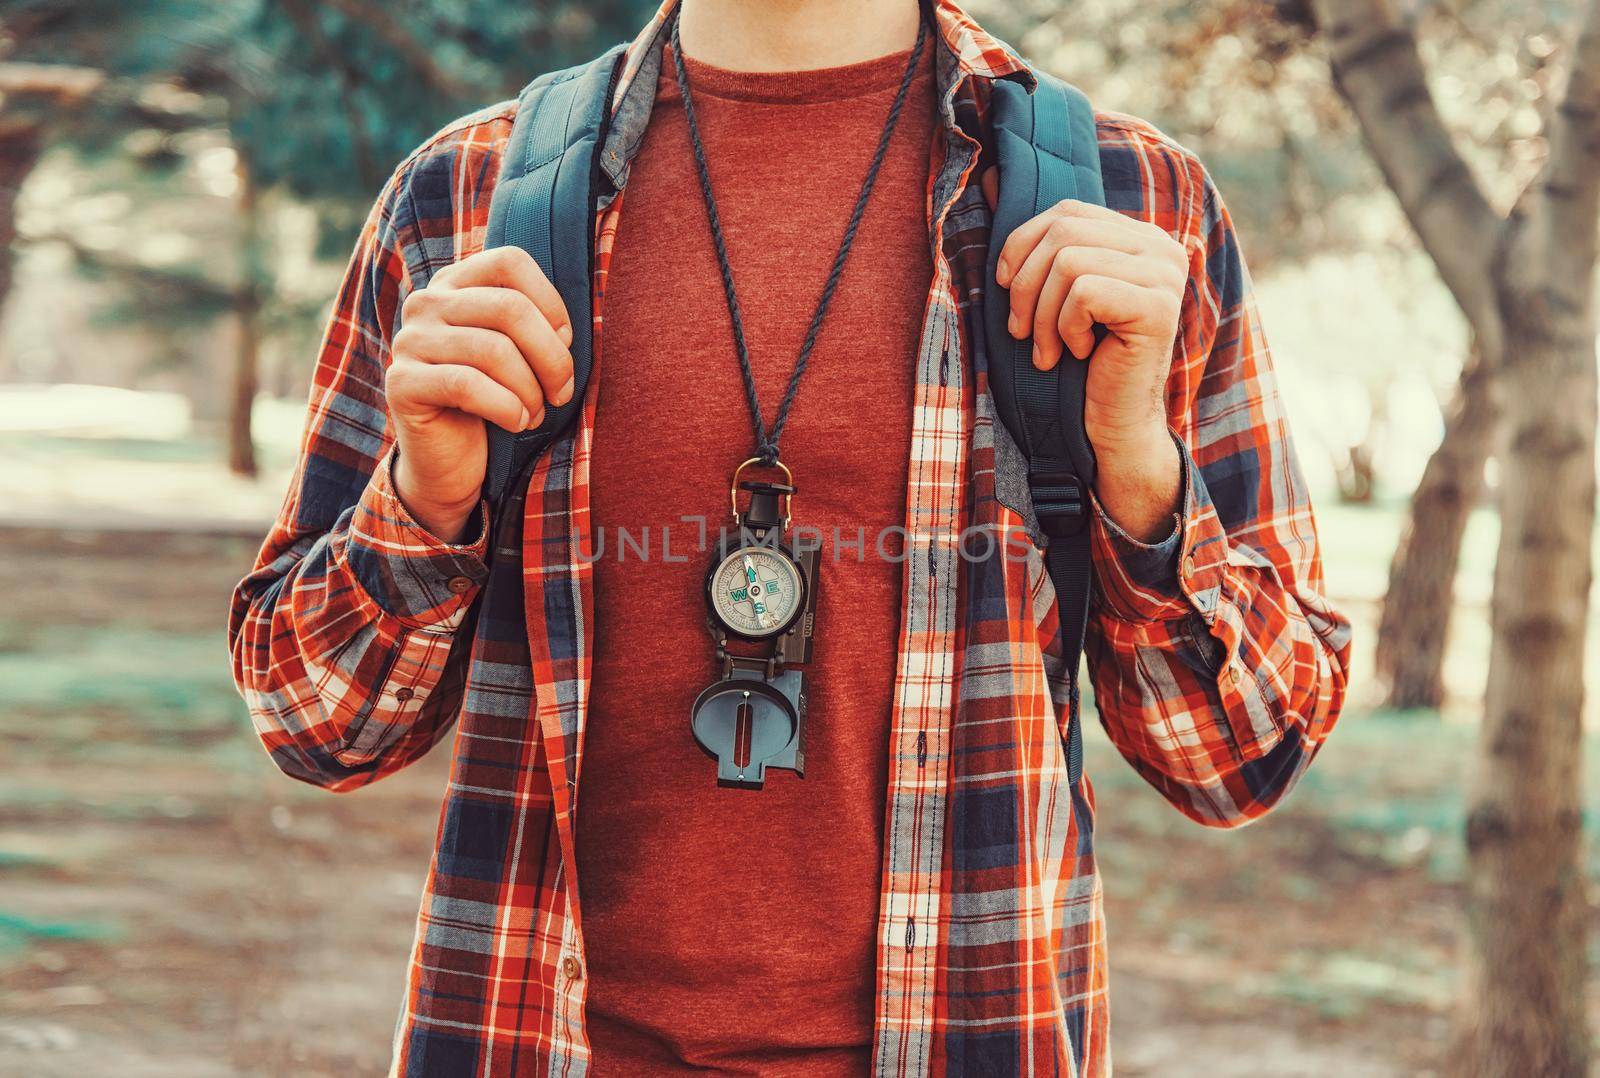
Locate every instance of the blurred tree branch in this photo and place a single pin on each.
(1558, 241)
(172, 289)
(1379, 72)
(64, 83)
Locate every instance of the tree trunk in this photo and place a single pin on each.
(247, 317)
(1526, 906)
(29, 96)
(241, 441)
(1525, 282)
(1421, 594)
(21, 144)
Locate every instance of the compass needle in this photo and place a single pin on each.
(755, 591)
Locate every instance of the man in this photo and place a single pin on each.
(925, 899)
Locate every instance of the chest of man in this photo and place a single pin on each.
(674, 869)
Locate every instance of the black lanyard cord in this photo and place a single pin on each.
(767, 444)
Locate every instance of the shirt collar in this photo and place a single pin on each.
(978, 53)
(970, 52)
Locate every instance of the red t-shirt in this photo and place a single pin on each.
(727, 928)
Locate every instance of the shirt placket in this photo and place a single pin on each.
(569, 1039)
(925, 684)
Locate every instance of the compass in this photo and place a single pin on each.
(756, 590)
(761, 597)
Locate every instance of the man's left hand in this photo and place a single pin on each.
(1076, 265)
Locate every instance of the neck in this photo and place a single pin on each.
(795, 35)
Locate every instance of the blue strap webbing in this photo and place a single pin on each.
(1047, 151)
(544, 202)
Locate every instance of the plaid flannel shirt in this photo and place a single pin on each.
(1218, 665)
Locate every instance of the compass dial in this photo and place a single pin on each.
(756, 591)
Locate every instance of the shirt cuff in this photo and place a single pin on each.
(1173, 577)
(406, 569)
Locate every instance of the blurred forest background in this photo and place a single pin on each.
(180, 183)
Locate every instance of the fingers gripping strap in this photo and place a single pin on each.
(544, 202)
(1047, 151)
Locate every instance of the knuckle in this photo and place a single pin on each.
(504, 351)
(512, 257)
(419, 304)
(511, 307)
(490, 261)
(1060, 228)
(407, 342)
(456, 383)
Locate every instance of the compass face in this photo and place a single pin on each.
(756, 591)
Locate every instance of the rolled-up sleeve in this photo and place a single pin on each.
(347, 637)
(1219, 665)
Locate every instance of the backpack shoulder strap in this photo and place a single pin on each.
(1047, 151)
(544, 202)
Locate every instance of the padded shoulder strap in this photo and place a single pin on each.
(544, 202)
(1047, 151)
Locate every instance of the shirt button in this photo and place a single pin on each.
(571, 967)
(1188, 564)
(403, 695)
(1233, 675)
(459, 584)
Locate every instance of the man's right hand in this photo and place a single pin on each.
(487, 339)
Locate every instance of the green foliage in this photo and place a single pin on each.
(346, 90)
(317, 100)
(128, 39)
(138, 45)
(320, 99)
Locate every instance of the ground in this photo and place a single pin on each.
(169, 902)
